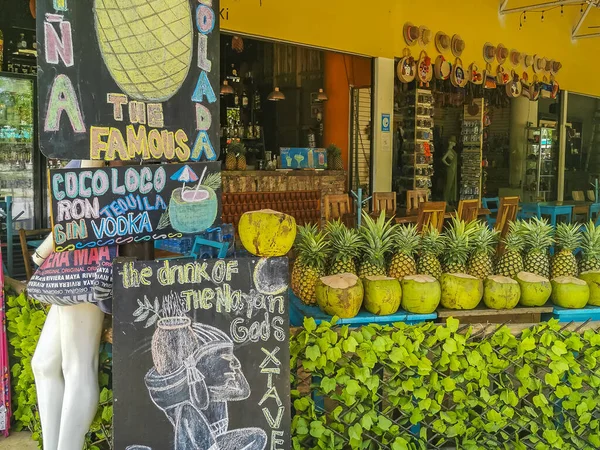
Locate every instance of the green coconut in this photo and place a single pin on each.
(535, 289)
(501, 292)
(382, 295)
(592, 278)
(420, 294)
(340, 295)
(193, 216)
(460, 291)
(267, 232)
(570, 292)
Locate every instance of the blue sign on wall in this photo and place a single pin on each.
(385, 123)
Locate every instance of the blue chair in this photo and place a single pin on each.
(529, 210)
(491, 203)
(595, 212)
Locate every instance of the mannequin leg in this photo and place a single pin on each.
(80, 330)
(47, 369)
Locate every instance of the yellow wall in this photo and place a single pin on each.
(374, 28)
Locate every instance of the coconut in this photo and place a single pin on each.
(193, 214)
(420, 294)
(535, 289)
(461, 291)
(570, 292)
(501, 292)
(382, 295)
(340, 295)
(267, 233)
(592, 278)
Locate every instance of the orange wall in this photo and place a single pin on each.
(341, 72)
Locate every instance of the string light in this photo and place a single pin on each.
(581, 9)
(542, 16)
(561, 10)
(525, 16)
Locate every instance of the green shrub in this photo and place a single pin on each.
(25, 320)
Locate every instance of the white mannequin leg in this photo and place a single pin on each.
(47, 369)
(80, 331)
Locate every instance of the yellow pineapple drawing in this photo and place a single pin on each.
(146, 44)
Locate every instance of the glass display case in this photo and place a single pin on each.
(540, 170)
(18, 160)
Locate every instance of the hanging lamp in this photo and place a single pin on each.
(226, 89)
(276, 95)
(322, 96)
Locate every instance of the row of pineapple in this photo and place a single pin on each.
(380, 248)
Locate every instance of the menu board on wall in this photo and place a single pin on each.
(201, 354)
(128, 80)
(93, 207)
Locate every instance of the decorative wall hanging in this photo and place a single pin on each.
(490, 79)
(411, 33)
(535, 89)
(474, 74)
(489, 52)
(406, 70)
(515, 57)
(527, 61)
(458, 45)
(556, 66)
(442, 42)
(501, 54)
(458, 77)
(514, 88)
(442, 68)
(424, 69)
(539, 64)
(545, 88)
(555, 87)
(502, 76)
(525, 92)
(424, 36)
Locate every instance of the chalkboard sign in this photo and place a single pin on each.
(70, 278)
(93, 207)
(201, 355)
(128, 80)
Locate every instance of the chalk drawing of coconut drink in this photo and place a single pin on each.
(194, 209)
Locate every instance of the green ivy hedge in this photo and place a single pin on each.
(429, 386)
(25, 319)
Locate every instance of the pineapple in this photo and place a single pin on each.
(147, 45)
(241, 157)
(334, 158)
(376, 240)
(405, 243)
(345, 246)
(568, 239)
(539, 239)
(457, 241)
(590, 246)
(312, 250)
(432, 245)
(511, 261)
(480, 262)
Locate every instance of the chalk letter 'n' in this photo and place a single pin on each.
(55, 46)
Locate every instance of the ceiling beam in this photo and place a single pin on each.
(545, 5)
(577, 26)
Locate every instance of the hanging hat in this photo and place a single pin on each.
(501, 53)
(489, 52)
(442, 42)
(539, 64)
(458, 77)
(458, 45)
(514, 88)
(474, 74)
(442, 68)
(424, 36)
(527, 61)
(549, 63)
(556, 66)
(411, 33)
(406, 69)
(515, 57)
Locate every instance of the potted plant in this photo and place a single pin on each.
(334, 158)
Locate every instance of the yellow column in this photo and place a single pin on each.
(383, 84)
(522, 113)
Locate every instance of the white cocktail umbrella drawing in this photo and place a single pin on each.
(185, 175)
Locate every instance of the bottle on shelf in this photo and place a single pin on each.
(22, 44)
(1, 50)
(244, 98)
(256, 130)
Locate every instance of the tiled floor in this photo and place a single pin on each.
(18, 441)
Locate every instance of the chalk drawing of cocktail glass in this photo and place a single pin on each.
(194, 210)
(289, 161)
(299, 158)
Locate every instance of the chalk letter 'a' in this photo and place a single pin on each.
(56, 47)
(203, 88)
(203, 146)
(63, 98)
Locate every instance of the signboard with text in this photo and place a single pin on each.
(201, 355)
(125, 80)
(95, 207)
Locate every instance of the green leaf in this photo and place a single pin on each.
(452, 324)
(313, 352)
(355, 432)
(559, 348)
(551, 379)
(449, 384)
(384, 423)
(317, 429)
(527, 344)
(309, 324)
(352, 387)
(450, 346)
(328, 385)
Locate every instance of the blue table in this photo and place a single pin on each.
(591, 313)
(298, 311)
(557, 209)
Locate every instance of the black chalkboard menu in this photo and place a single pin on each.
(128, 80)
(94, 207)
(201, 354)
